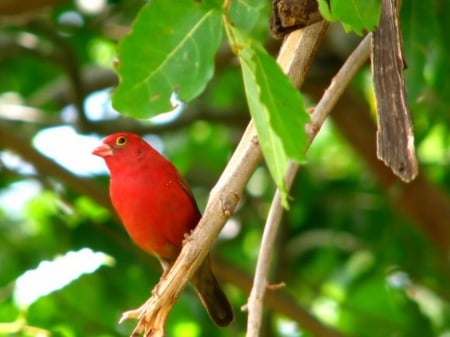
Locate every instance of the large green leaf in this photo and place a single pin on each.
(275, 105)
(170, 50)
(355, 15)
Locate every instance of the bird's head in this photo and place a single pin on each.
(121, 146)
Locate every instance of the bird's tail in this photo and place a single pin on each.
(212, 295)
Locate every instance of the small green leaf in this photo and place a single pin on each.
(325, 10)
(275, 105)
(170, 50)
(355, 15)
(245, 13)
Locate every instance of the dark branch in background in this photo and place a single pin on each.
(12, 7)
(66, 57)
(277, 300)
(9, 139)
(13, 113)
(93, 78)
(48, 50)
(424, 203)
(11, 47)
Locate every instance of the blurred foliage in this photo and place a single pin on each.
(348, 252)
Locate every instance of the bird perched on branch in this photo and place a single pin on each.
(157, 208)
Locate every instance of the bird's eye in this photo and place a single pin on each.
(121, 140)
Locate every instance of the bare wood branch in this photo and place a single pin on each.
(260, 284)
(395, 135)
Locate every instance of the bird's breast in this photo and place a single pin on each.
(156, 212)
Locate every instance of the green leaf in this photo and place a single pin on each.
(170, 50)
(355, 15)
(275, 105)
(325, 10)
(245, 13)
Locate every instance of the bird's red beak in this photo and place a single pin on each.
(103, 150)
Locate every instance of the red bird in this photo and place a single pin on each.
(157, 208)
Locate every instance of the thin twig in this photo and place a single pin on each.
(337, 86)
(66, 57)
(322, 110)
(255, 300)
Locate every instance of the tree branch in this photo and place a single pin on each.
(66, 58)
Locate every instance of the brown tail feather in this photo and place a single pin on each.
(212, 295)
